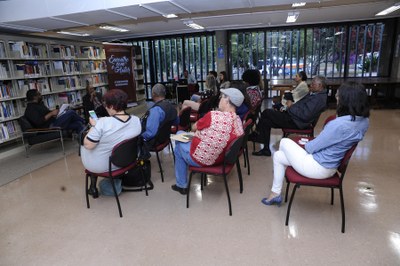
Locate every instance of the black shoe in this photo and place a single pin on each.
(183, 191)
(262, 152)
(94, 192)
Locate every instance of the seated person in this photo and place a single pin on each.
(105, 133)
(190, 78)
(92, 101)
(195, 100)
(298, 116)
(243, 109)
(223, 82)
(41, 117)
(296, 94)
(213, 132)
(321, 156)
(253, 78)
(160, 113)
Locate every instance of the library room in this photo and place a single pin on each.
(135, 132)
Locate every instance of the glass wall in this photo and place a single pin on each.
(165, 59)
(337, 51)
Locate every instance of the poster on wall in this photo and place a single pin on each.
(120, 69)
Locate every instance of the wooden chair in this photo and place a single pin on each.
(32, 136)
(231, 157)
(124, 156)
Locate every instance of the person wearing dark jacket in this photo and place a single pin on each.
(93, 101)
(298, 116)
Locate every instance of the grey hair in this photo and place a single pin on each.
(211, 82)
(158, 90)
(321, 80)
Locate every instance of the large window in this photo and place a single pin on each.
(165, 59)
(345, 50)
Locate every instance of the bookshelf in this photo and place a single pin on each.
(139, 79)
(57, 68)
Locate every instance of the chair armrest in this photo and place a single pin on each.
(50, 129)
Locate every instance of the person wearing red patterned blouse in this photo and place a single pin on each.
(213, 133)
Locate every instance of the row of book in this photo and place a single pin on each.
(93, 66)
(92, 52)
(2, 50)
(9, 109)
(32, 69)
(3, 71)
(9, 130)
(41, 85)
(21, 49)
(66, 67)
(68, 83)
(8, 91)
(62, 51)
(97, 79)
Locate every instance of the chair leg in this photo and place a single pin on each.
(62, 142)
(239, 175)
(332, 195)
(287, 190)
(172, 150)
(290, 204)
(144, 181)
(227, 194)
(116, 197)
(248, 159)
(159, 165)
(342, 207)
(86, 190)
(188, 189)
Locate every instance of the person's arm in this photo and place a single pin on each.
(309, 107)
(92, 138)
(153, 122)
(51, 114)
(332, 134)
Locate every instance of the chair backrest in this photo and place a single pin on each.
(345, 161)
(125, 153)
(24, 123)
(184, 117)
(163, 133)
(233, 150)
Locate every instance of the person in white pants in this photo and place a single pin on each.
(321, 156)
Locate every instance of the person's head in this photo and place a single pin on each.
(185, 73)
(222, 76)
(211, 82)
(230, 100)
(301, 76)
(116, 100)
(252, 77)
(33, 96)
(318, 84)
(214, 73)
(240, 85)
(352, 100)
(158, 92)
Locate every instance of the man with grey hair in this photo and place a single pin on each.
(160, 113)
(297, 116)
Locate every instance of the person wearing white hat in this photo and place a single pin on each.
(213, 134)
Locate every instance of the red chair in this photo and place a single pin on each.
(184, 121)
(333, 182)
(124, 156)
(231, 157)
(304, 132)
(161, 140)
(247, 129)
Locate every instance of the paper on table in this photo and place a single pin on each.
(184, 137)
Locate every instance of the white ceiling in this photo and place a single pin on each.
(144, 17)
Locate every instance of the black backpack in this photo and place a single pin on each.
(133, 180)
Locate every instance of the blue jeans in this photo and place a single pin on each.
(70, 121)
(182, 162)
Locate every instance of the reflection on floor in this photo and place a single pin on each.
(44, 219)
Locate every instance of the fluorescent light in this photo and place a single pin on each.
(170, 16)
(112, 28)
(389, 10)
(193, 25)
(80, 34)
(292, 17)
(299, 4)
(339, 33)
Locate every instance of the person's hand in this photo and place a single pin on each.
(92, 122)
(55, 112)
(289, 103)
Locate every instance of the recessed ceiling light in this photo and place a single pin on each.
(389, 10)
(112, 28)
(299, 4)
(292, 17)
(339, 33)
(170, 16)
(80, 34)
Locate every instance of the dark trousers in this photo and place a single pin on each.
(70, 121)
(272, 119)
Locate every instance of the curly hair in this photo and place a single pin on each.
(352, 100)
(252, 76)
(116, 99)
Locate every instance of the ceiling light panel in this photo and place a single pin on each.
(80, 34)
(112, 28)
(299, 4)
(389, 10)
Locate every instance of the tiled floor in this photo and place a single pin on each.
(44, 219)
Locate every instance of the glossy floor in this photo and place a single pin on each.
(44, 219)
